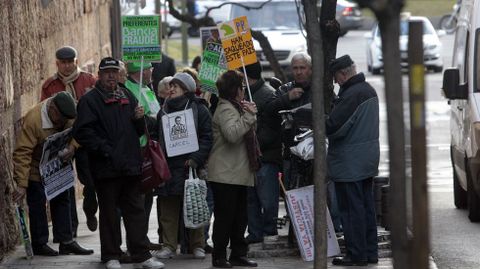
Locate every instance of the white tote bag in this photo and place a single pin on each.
(179, 133)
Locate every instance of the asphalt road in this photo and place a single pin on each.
(455, 241)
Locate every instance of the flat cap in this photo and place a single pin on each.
(254, 70)
(109, 63)
(65, 104)
(340, 63)
(65, 53)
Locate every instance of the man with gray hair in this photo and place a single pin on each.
(353, 155)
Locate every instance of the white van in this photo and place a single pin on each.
(461, 85)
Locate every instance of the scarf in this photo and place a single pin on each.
(68, 81)
(251, 142)
(115, 96)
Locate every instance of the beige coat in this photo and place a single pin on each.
(228, 162)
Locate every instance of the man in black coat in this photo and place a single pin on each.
(263, 197)
(163, 69)
(108, 126)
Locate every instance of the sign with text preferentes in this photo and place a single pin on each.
(141, 36)
(237, 42)
(213, 65)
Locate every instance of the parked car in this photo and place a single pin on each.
(461, 85)
(432, 46)
(348, 15)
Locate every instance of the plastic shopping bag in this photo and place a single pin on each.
(195, 207)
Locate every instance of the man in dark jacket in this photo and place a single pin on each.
(108, 126)
(263, 197)
(163, 69)
(352, 161)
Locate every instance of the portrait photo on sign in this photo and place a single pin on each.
(178, 127)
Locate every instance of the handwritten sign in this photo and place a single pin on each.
(300, 207)
(237, 42)
(213, 65)
(141, 36)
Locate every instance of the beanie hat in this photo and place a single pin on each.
(254, 71)
(340, 63)
(65, 104)
(134, 67)
(185, 81)
(65, 53)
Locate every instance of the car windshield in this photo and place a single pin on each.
(427, 28)
(272, 16)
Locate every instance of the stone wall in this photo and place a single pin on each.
(31, 32)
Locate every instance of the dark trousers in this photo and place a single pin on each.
(73, 211)
(357, 209)
(230, 220)
(122, 193)
(90, 204)
(37, 212)
(263, 203)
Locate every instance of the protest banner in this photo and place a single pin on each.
(141, 36)
(300, 207)
(57, 175)
(237, 42)
(209, 35)
(213, 65)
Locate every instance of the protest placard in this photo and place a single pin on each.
(141, 36)
(209, 35)
(237, 42)
(300, 207)
(213, 65)
(57, 175)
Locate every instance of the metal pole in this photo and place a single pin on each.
(166, 23)
(318, 120)
(390, 28)
(420, 243)
(137, 7)
(184, 35)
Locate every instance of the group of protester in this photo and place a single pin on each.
(240, 156)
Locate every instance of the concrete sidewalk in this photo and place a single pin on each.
(16, 260)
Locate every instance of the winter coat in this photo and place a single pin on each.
(352, 130)
(268, 127)
(52, 85)
(110, 134)
(228, 162)
(203, 124)
(29, 145)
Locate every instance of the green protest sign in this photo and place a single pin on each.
(213, 65)
(141, 36)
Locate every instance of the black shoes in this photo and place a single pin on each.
(242, 261)
(73, 248)
(45, 250)
(221, 263)
(208, 248)
(347, 261)
(92, 223)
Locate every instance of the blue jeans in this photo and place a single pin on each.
(357, 209)
(263, 203)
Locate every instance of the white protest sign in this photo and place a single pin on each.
(300, 207)
(179, 133)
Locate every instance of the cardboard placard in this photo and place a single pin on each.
(141, 36)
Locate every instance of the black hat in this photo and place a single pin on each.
(109, 63)
(65, 104)
(340, 63)
(254, 70)
(65, 53)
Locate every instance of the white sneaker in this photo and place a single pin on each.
(164, 253)
(113, 264)
(151, 263)
(199, 253)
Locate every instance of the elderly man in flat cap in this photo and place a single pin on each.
(353, 155)
(109, 125)
(51, 116)
(71, 79)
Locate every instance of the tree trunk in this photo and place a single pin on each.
(319, 172)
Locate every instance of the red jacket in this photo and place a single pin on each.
(53, 85)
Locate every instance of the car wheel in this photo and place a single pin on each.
(343, 32)
(472, 197)
(459, 194)
(376, 71)
(437, 69)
